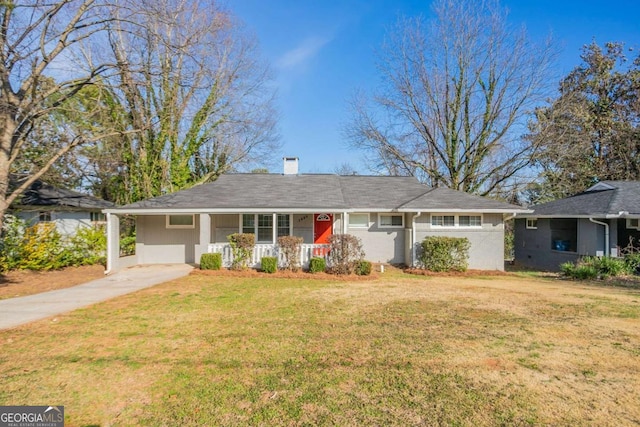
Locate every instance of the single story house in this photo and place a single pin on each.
(390, 214)
(67, 209)
(601, 221)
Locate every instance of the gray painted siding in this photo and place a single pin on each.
(533, 247)
(223, 225)
(386, 245)
(157, 244)
(487, 242)
(303, 227)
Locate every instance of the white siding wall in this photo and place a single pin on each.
(67, 223)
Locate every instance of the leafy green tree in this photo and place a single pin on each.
(591, 131)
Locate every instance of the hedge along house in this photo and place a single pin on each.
(598, 222)
(391, 215)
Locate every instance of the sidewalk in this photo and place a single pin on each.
(21, 310)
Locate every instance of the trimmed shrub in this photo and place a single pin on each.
(445, 253)
(269, 264)
(242, 245)
(363, 268)
(317, 265)
(211, 261)
(345, 251)
(289, 248)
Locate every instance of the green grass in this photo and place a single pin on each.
(209, 350)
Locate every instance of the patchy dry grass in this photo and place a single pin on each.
(397, 350)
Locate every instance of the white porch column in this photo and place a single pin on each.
(204, 236)
(113, 242)
(274, 229)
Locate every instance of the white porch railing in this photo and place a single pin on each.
(307, 251)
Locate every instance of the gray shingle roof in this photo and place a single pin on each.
(612, 198)
(316, 191)
(42, 194)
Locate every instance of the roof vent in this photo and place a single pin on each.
(290, 165)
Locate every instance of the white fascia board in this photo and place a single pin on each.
(172, 211)
(503, 211)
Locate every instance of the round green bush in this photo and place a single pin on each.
(269, 264)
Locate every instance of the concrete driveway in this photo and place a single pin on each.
(18, 311)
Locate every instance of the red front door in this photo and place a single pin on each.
(322, 228)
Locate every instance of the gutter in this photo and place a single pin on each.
(606, 235)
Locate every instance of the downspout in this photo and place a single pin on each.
(109, 245)
(413, 238)
(606, 235)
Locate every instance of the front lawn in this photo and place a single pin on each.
(397, 350)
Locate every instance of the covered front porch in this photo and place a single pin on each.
(183, 236)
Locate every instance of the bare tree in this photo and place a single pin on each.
(191, 79)
(456, 92)
(38, 41)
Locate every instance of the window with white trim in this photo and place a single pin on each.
(265, 228)
(180, 221)
(532, 223)
(284, 225)
(262, 226)
(470, 221)
(456, 221)
(98, 217)
(391, 220)
(359, 220)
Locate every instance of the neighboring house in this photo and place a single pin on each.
(598, 222)
(391, 215)
(67, 209)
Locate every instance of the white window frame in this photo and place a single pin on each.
(98, 217)
(456, 221)
(274, 226)
(390, 215)
(630, 223)
(532, 223)
(180, 226)
(359, 225)
(470, 225)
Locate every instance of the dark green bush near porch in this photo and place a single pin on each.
(317, 265)
(211, 261)
(588, 268)
(445, 253)
(269, 264)
(363, 268)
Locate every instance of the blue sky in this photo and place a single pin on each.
(322, 51)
